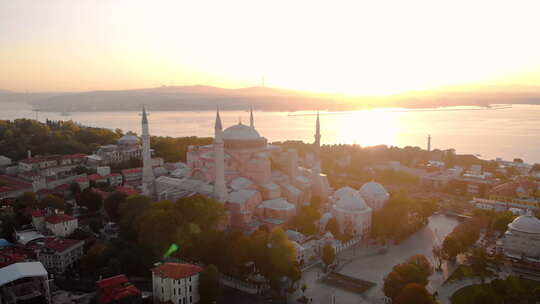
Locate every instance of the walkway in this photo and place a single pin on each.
(367, 264)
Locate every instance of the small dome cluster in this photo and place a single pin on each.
(371, 195)
(350, 200)
(128, 140)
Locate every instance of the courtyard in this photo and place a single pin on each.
(370, 265)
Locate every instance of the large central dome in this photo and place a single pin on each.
(242, 137)
(240, 132)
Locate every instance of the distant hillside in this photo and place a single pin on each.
(200, 98)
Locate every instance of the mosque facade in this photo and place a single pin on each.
(262, 184)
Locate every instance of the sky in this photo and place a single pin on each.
(346, 47)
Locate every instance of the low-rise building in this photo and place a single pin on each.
(176, 283)
(127, 147)
(57, 254)
(117, 289)
(115, 179)
(132, 176)
(24, 283)
(11, 187)
(83, 182)
(61, 224)
(522, 239)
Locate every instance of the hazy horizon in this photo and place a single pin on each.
(350, 48)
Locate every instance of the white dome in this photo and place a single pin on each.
(352, 202)
(344, 191)
(240, 183)
(128, 139)
(240, 132)
(278, 204)
(526, 223)
(374, 191)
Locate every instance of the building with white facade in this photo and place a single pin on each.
(352, 213)
(26, 282)
(375, 195)
(61, 224)
(522, 239)
(57, 254)
(127, 147)
(176, 283)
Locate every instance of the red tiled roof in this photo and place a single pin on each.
(74, 156)
(102, 193)
(112, 281)
(39, 159)
(62, 187)
(509, 189)
(44, 191)
(132, 170)
(115, 288)
(61, 245)
(13, 184)
(176, 270)
(127, 190)
(38, 213)
(96, 177)
(81, 180)
(59, 218)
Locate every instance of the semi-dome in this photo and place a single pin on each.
(527, 223)
(344, 191)
(351, 202)
(277, 204)
(240, 132)
(128, 140)
(374, 191)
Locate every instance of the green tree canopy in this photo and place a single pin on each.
(414, 294)
(329, 254)
(209, 286)
(416, 269)
(91, 200)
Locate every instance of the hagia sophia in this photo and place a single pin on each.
(264, 184)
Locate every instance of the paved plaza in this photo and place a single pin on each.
(367, 264)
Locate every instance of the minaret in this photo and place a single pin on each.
(317, 142)
(220, 190)
(318, 187)
(148, 173)
(251, 121)
(429, 143)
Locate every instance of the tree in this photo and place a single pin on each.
(209, 287)
(416, 269)
(414, 294)
(478, 261)
(329, 255)
(52, 201)
(315, 202)
(91, 200)
(438, 255)
(129, 211)
(305, 220)
(332, 226)
(112, 204)
(75, 188)
(28, 199)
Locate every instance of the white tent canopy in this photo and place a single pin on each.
(17, 271)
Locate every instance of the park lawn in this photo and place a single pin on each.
(513, 290)
(465, 271)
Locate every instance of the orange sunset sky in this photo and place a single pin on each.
(348, 47)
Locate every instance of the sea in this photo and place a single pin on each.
(508, 132)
